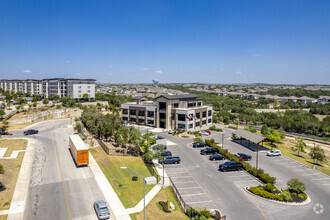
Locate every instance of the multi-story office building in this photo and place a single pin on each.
(74, 88)
(185, 112)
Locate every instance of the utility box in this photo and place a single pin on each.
(151, 180)
(79, 150)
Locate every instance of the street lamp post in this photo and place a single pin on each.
(144, 190)
(222, 141)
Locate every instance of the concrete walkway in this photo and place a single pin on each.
(17, 206)
(159, 168)
(13, 155)
(114, 202)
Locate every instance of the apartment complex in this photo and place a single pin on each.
(185, 112)
(74, 88)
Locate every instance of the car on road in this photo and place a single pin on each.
(200, 144)
(244, 157)
(230, 165)
(171, 131)
(208, 131)
(217, 157)
(31, 131)
(166, 153)
(101, 209)
(170, 160)
(274, 153)
(209, 150)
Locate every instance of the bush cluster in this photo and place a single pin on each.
(259, 173)
(213, 128)
(263, 193)
(286, 195)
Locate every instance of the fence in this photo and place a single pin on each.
(190, 211)
(152, 171)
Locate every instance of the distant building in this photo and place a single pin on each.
(74, 88)
(185, 112)
(323, 100)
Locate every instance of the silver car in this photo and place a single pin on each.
(274, 153)
(101, 209)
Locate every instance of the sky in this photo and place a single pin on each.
(136, 41)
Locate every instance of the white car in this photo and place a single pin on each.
(171, 131)
(204, 133)
(274, 153)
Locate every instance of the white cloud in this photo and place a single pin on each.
(159, 72)
(78, 74)
(67, 61)
(27, 71)
(238, 72)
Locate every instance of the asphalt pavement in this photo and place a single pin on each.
(58, 188)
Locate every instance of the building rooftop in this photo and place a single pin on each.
(183, 96)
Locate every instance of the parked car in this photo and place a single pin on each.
(159, 147)
(170, 160)
(166, 153)
(171, 131)
(230, 165)
(204, 133)
(31, 131)
(208, 131)
(101, 209)
(274, 153)
(200, 144)
(160, 137)
(217, 157)
(245, 157)
(209, 150)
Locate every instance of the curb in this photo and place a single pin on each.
(308, 200)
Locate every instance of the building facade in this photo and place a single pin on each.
(74, 88)
(185, 112)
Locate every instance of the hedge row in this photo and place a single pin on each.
(259, 173)
(263, 193)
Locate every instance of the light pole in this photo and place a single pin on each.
(144, 190)
(222, 140)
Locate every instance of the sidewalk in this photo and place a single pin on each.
(159, 168)
(110, 195)
(17, 206)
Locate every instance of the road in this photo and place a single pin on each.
(58, 189)
(225, 190)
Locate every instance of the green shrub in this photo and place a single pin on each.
(296, 186)
(198, 140)
(260, 192)
(270, 188)
(206, 213)
(2, 170)
(266, 178)
(302, 196)
(286, 195)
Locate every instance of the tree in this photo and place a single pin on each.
(2, 113)
(236, 123)
(21, 101)
(18, 107)
(274, 136)
(45, 101)
(2, 170)
(299, 145)
(264, 130)
(5, 125)
(34, 105)
(317, 153)
(85, 97)
(296, 186)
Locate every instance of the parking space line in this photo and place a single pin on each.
(180, 177)
(195, 194)
(186, 182)
(325, 184)
(300, 170)
(199, 202)
(321, 179)
(193, 187)
(310, 174)
(245, 181)
(176, 172)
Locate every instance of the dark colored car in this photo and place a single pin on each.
(159, 147)
(166, 153)
(30, 132)
(245, 157)
(230, 165)
(209, 150)
(200, 144)
(101, 209)
(170, 160)
(217, 157)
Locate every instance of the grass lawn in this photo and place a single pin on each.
(303, 158)
(11, 168)
(154, 210)
(3, 217)
(131, 192)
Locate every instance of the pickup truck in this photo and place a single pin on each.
(209, 150)
(170, 160)
(230, 165)
(166, 153)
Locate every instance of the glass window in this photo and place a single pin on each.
(197, 124)
(162, 115)
(151, 114)
(191, 125)
(124, 111)
(199, 103)
(132, 112)
(198, 115)
(132, 119)
(142, 113)
(176, 105)
(162, 105)
(125, 118)
(79, 91)
(210, 113)
(204, 114)
(181, 117)
(181, 126)
(141, 121)
(204, 122)
(190, 104)
(150, 122)
(210, 120)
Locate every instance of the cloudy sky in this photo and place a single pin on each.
(127, 41)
